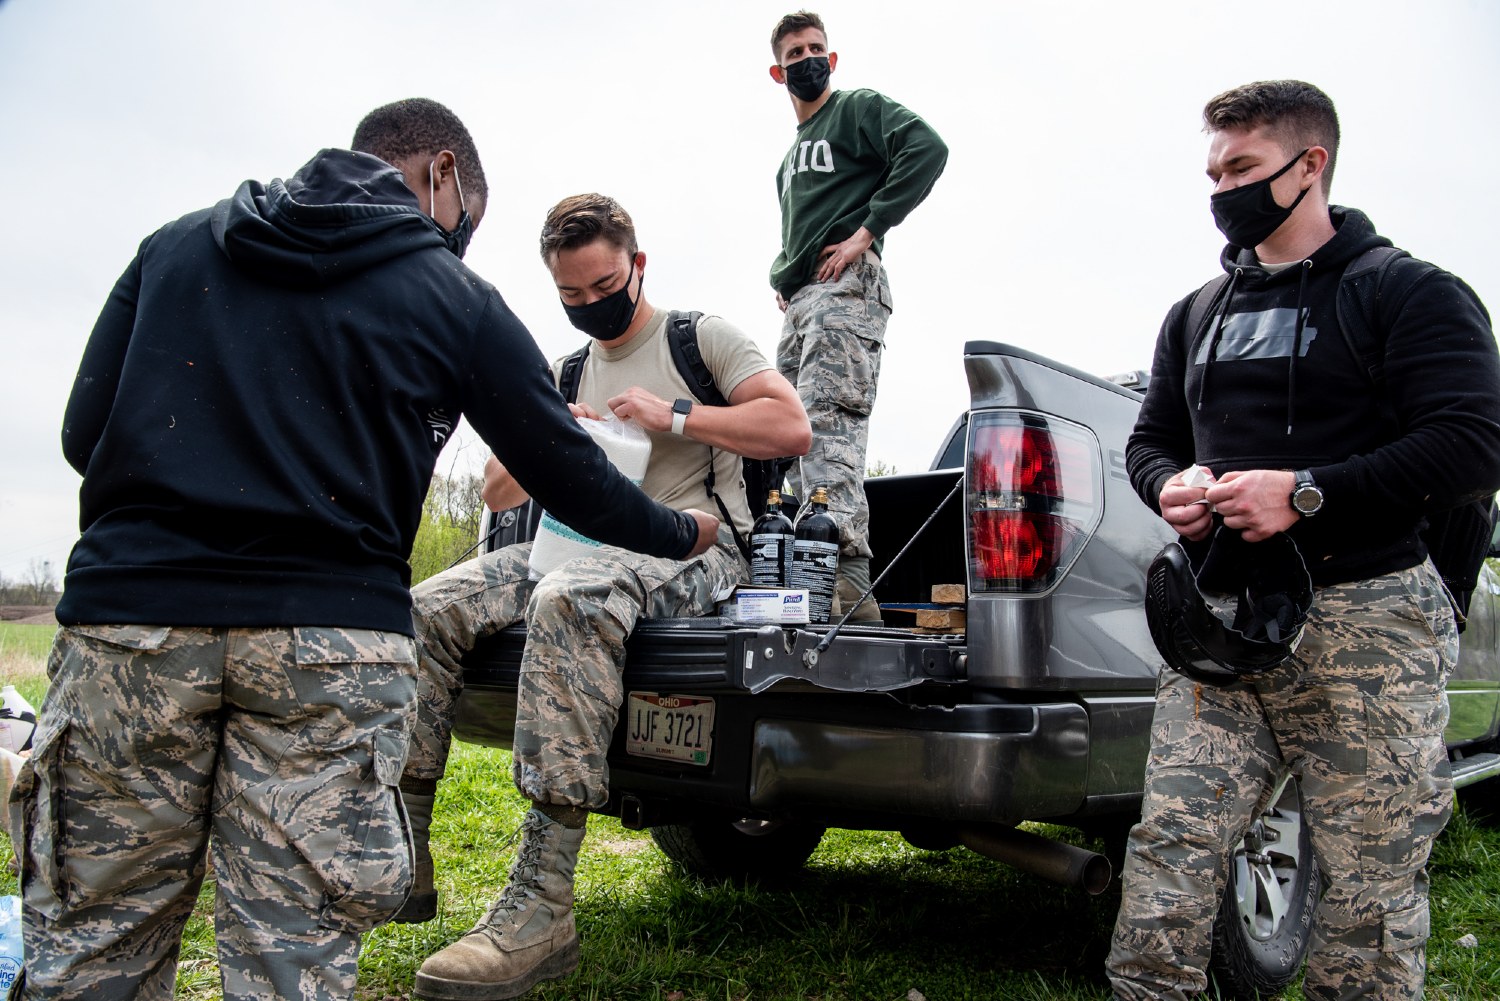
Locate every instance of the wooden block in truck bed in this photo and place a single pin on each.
(948, 619)
(949, 594)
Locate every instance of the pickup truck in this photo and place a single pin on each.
(739, 744)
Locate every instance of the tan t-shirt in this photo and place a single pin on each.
(678, 468)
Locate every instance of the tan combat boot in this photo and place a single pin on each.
(528, 934)
(418, 795)
(852, 582)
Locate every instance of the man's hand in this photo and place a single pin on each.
(708, 531)
(584, 410)
(650, 411)
(1185, 509)
(835, 257)
(1257, 502)
(500, 490)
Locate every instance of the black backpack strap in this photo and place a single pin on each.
(1363, 296)
(572, 374)
(1206, 302)
(682, 339)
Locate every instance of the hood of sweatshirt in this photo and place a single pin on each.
(1353, 235)
(342, 213)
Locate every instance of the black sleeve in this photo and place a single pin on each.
(98, 378)
(1442, 378)
(516, 408)
(1162, 443)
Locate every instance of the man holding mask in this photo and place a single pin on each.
(1253, 380)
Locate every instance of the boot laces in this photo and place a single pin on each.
(525, 876)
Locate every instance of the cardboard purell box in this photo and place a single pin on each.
(768, 606)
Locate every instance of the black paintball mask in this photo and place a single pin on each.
(1274, 592)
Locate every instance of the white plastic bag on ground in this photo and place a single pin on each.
(629, 448)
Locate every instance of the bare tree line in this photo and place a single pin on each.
(37, 585)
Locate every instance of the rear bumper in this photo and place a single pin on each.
(995, 764)
(846, 756)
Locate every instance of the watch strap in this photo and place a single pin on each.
(680, 410)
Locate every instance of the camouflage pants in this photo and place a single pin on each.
(1358, 714)
(830, 349)
(577, 620)
(285, 745)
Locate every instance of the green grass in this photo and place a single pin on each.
(869, 919)
(23, 657)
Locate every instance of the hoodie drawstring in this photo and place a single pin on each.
(1291, 365)
(1213, 343)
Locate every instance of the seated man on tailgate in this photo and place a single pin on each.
(579, 615)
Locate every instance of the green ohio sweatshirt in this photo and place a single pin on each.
(862, 160)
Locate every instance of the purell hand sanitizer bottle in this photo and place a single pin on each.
(10, 942)
(17, 721)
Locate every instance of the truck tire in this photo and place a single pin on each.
(1264, 925)
(721, 850)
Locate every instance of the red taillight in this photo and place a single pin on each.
(1011, 545)
(1032, 500)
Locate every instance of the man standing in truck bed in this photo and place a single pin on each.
(579, 614)
(859, 164)
(1256, 383)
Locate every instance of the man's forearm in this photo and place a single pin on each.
(757, 429)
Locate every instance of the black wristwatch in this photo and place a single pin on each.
(680, 410)
(1307, 499)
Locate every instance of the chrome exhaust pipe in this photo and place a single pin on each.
(1052, 860)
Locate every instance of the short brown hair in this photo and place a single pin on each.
(1296, 114)
(579, 220)
(790, 25)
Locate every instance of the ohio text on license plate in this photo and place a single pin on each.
(675, 727)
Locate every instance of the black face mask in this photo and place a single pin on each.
(1248, 215)
(605, 319)
(807, 78)
(456, 240)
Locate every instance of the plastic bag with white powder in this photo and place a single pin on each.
(629, 447)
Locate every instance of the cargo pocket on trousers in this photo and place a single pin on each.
(843, 369)
(1191, 770)
(1408, 784)
(370, 876)
(36, 815)
(1405, 930)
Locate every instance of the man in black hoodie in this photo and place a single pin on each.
(256, 418)
(1267, 395)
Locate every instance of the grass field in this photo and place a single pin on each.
(869, 919)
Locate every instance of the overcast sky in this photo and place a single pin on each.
(1073, 211)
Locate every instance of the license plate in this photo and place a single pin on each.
(670, 727)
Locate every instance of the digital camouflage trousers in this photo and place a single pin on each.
(830, 347)
(577, 620)
(1358, 715)
(285, 745)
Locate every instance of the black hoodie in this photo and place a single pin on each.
(264, 395)
(1258, 393)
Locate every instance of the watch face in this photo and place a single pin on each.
(1307, 500)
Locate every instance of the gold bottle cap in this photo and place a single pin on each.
(820, 495)
(774, 497)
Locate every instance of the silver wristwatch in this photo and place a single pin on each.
(1307, 499)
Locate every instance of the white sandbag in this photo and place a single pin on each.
(629, 448)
